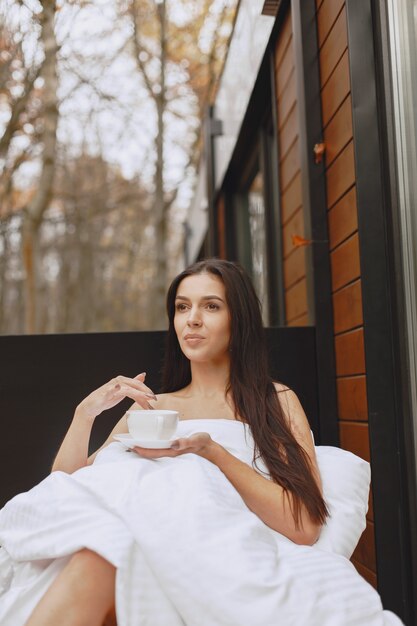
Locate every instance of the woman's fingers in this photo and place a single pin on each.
(193, 443)
(159, 453)
(196, 443)
(140, 397)
(136, 384)
(114, 391)
(180, 444)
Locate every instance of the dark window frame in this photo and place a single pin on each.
(393, 484)
(315, 212)
(258, 140)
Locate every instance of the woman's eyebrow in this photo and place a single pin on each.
(203, 298)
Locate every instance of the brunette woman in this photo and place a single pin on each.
(216, 368)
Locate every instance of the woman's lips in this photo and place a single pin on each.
(193, 340)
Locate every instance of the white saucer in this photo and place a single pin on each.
(128, 441)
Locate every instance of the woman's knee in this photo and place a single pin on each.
(83, 591)
(87, 567)
(87, 557)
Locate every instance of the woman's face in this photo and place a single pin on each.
(202, 318)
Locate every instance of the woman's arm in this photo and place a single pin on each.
(73, 453)
(262, 496)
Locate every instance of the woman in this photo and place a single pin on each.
(215, 375)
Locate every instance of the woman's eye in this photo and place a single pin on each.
(213, 307)
(180, 307)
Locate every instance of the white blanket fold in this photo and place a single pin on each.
(187, 549)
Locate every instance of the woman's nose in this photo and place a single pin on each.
(194, 318)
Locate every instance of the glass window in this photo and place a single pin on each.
(403, 46)
(253, 232)
(257, 226)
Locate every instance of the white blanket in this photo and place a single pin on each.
(186, 547)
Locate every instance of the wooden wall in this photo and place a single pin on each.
(344, 248)
(292, 219)
(342, 225)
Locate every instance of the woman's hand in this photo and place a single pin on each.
(113, 392)
(199, 443)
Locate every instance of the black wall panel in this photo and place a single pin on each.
(44, 377)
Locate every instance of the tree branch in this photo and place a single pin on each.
(18, 106)
(138, 48)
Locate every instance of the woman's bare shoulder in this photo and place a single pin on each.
(288, 398)
(280, 387)
(294, 412)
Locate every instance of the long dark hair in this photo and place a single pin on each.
(252, 389)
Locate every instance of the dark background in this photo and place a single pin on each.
(44, 377)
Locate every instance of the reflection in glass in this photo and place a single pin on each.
(256, 208)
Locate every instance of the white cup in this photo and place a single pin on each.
(152, 425)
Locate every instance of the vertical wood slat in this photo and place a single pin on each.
(294, 267)
(343, 219)
(294, 226)
(302, 320)
(336, 89)
(283, 39)
(365, 550)
(334, 46)
(355, 437)
(291, 198)
(352, 400)
(285, 69)
(370, 514)
(296, 300)
(345, 262)
(288, 132)
(286, 101)
(290, 165)
(344, 245)
(326, 17)
(340, 176)
(347, 307)
(366, 573)
(338, 133)
(350, 353)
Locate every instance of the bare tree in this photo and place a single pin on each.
(19, 102)
(159, 42)
(97, 238)
(36, 208)
(28, 104)
(83, 246)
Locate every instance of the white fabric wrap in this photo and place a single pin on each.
(187, 549)
(346, 479)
